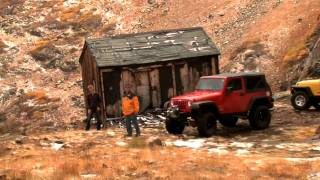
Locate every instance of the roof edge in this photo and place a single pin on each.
(147, 32)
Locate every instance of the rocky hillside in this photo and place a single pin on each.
(40, 43)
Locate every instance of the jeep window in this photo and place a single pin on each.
(235, 84)
(256, 83)
(210, 84)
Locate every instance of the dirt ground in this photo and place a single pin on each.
(289, 149)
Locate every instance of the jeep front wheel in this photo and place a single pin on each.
(207, 124)
(300, 101)
(229, 121)
(260, 117)
(174, 126)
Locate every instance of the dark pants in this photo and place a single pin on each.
(132, 119)
(95, 113)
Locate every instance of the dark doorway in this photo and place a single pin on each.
(111, 86)
(166, 83)
(179, 86)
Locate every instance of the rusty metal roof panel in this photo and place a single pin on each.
(150, 47)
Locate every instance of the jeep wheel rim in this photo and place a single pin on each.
(300, 100)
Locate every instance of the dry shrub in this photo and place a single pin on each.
(20, 175)
(296, 53)
(70, 14)
(67, 170)
(36, 95)
(2, 46)
(40, 44)
(137, 143)
(283, 169)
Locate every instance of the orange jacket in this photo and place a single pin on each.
(130, 106)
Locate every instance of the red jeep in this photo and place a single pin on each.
(223, 97)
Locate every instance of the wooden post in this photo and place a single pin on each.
(174, 79)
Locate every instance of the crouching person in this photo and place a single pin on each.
(130, 109)
(94, 102)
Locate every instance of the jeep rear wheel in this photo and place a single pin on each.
(260, 117)
(300, 101)
(229, 121)
(207, 124)
(174, 126)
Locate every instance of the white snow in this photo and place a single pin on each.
(218, 150)
(121, 143)
(241, 152)
(111, 133)
(242, 145)
(56, 146)
(192, 143)
(316, 148)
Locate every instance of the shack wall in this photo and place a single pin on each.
(155, 83)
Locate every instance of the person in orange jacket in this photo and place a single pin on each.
(130, 109)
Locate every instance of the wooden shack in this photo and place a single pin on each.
(159, 65)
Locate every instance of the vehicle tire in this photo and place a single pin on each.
(316, 105)
(300, 101)
(229, 121)
(260, 117)
(174, 126)
(207, 124)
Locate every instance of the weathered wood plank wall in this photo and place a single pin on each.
(184, 75)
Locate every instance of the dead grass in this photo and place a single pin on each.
(137, 143)
(161, 163)
(282, 169)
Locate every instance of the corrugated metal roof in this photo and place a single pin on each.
(149, 47)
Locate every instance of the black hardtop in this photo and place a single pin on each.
(230, 75)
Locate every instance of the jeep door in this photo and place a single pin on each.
(233, 99)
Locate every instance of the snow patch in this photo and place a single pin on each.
(242, 145)
(218, 150)
(121, 143)
(111, 133)
(192, 143)
(242, 152)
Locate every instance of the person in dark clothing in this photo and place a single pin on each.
(94, 102)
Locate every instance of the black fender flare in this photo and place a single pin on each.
(305, 89)
(259, 100)
(199, 108)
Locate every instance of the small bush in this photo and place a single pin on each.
(3, 117)
(296, 53)
(137, 143)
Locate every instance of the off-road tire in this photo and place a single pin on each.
(300, 101)
(207, 124)
(260, 117)
(316, 105)
(229, 121)
(174, 126)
